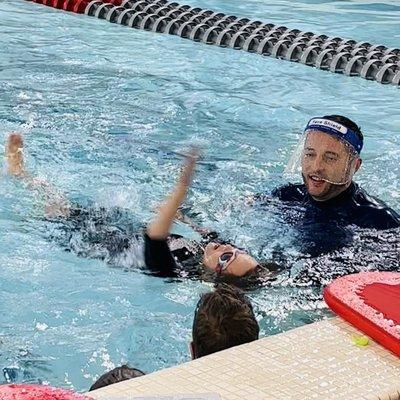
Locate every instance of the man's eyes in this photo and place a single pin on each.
(327, 158)
(331, 158)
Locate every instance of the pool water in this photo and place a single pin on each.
(106, 112)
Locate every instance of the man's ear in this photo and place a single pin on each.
(358, 164)
(192, 351)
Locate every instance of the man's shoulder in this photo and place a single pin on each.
(376, 212)
(363, 198)
(290, 192)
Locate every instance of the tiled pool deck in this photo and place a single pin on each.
(316, 361)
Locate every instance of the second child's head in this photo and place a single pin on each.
(223, 319)
(116, 375)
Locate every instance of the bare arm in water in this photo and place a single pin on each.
(160, 227)
(56, 205)
(157, 254)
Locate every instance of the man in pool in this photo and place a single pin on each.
(329, 154)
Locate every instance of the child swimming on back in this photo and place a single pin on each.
(166, 254)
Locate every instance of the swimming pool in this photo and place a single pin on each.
(105, 111)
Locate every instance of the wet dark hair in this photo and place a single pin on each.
(223, 319)
(348, 123)
(116, 375)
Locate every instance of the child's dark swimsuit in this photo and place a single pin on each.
(172, 257)
(109, 234)
(106, 234)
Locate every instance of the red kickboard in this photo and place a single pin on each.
(371, 302)
(37, 392)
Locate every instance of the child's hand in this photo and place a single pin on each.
(189, 167)
(179, 216)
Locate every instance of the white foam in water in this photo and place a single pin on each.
(41, 327)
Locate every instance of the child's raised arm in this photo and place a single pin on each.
(160, 227)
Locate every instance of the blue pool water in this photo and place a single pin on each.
(105, 111)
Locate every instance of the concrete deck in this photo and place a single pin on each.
(316, 361)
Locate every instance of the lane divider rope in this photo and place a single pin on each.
(334, 54)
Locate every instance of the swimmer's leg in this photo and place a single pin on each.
(56, 205)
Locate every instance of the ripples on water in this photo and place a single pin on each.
(106, 111)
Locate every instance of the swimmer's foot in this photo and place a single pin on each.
(14, 155)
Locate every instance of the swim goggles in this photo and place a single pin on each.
(225, 259)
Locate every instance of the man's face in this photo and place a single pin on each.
(325, 160)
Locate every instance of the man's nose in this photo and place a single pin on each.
(318, 163)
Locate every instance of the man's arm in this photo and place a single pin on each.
(392, 219)
(380, 218)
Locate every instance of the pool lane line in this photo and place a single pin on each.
(75, 6)
(334, 54)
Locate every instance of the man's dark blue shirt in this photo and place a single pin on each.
(352, 207)
(327, 237)
(324, 226)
